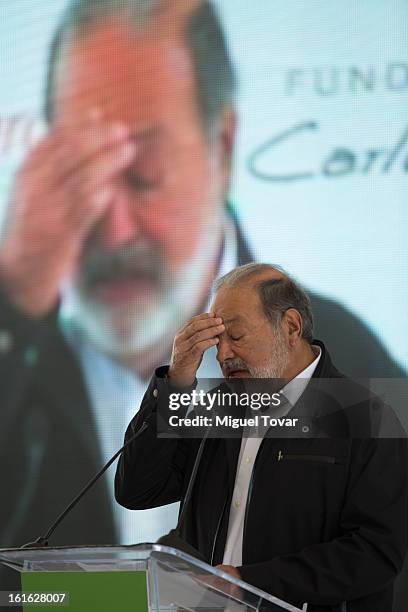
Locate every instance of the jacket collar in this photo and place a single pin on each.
(325, 367)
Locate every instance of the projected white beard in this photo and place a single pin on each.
(133, 328)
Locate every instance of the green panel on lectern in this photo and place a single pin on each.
(90, 591)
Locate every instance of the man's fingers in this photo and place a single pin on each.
(202, 316)
(200, 347)
(187, 353)
(188, 350)
(205, 334)
(78, 150)
(91, 189)
(194, 327)
(105, 167)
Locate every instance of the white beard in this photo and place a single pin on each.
(278, 362)
(133, 328)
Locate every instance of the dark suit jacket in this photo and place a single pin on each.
(48, 440)
(326, 516)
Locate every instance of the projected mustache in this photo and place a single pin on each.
(129, 262)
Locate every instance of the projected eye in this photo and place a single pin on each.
(236, 338)
(140, 183)
(150, 167)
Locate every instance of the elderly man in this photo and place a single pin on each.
(118, 223)
(319, 518)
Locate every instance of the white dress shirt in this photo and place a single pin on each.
(249, 450)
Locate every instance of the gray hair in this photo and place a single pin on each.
(277, 295)
(214, 72)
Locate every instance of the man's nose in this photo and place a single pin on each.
(224, 350)
(119, 224)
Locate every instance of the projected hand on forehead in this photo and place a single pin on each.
(147, 172)
(63, 189)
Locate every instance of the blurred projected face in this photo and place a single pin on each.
(148, 262)
(250, 347)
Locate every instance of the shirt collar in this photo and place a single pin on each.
(295, 387)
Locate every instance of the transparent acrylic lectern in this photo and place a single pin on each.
(141, 578)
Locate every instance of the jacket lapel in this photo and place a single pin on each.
(60, 383)
(232, 449)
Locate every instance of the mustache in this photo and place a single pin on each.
(231, 365)
(130, 261)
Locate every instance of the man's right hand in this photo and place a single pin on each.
(189, 346)
(62, 189)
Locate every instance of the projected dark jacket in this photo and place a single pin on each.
(48, 438)
(326, 517)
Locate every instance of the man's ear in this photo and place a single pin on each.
(226, 141)
(293, 325)
(228, 130)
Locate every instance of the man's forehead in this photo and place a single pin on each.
(239, 316)
(234, 304)
(235, 319)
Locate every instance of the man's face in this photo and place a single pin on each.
(250, 347)
(162, 230)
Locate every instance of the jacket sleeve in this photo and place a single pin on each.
(369, 551)
(153, 471)
(21, 340)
